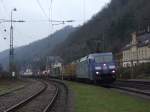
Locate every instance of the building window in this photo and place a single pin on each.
(146, 53)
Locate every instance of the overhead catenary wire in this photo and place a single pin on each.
(50, 6)
(42, 9)
(42, 20)
(49, 18)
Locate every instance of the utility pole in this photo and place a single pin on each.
(11, 51)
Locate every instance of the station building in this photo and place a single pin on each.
(137, 51)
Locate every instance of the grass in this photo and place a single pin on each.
(90, 98)
(9, 85)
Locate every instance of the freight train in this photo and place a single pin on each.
(96, 67)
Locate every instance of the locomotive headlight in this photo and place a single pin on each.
(113, 71)
(97, 73)
(98, 68)
(112, 67)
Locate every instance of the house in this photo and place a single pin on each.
(137, 51)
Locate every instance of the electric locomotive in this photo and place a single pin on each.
(97, 67)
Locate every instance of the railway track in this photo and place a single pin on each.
(140, 87)
(61, 104)
(42, 101)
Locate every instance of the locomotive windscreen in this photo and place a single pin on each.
(103, 58)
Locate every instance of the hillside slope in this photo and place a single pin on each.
(38, 49)
(110, 29)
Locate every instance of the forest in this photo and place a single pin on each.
(109, 30)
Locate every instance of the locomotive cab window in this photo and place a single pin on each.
(106, 58)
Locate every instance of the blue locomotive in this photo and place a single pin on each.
(97, 67)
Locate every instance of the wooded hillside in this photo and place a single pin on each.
(110, 29)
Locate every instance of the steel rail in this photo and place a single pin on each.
(25, 101)
(59, 84)
(128, 86)
(50, 104)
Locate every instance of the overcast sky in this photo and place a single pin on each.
(36, 13)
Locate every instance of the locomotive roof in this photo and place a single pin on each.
(94, 55)
(100, 54)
